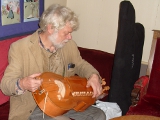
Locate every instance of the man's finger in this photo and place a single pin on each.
(35, 75)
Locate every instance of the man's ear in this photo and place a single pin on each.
(50, 29)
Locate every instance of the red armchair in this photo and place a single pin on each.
(149, 104)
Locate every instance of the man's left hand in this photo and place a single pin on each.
(94, 82)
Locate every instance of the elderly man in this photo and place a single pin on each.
(49, 49)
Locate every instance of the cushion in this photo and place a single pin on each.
(149, 105)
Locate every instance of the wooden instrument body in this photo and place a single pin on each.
(58, 94)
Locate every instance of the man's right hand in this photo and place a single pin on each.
(30, 83)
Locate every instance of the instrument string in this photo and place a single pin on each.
(44, 107)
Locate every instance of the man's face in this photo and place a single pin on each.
(61, 37)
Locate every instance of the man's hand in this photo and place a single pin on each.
(94, 82)
(30, 83)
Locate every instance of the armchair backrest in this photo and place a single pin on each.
(102, 61)
(4, 48)
(154, 82)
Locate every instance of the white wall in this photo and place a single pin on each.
(47, 3)
(99, 22)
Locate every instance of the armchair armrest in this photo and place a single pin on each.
(140, 89)
(135, 96)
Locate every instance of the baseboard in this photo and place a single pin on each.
(143, 71)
